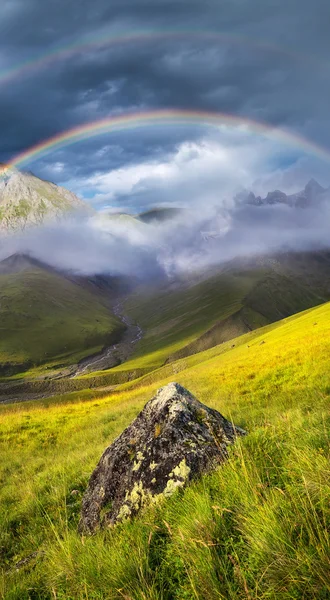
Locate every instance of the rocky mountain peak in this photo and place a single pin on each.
(247, 197)
(276, 197)
(313, 188)
(27, 200)
(312, 192)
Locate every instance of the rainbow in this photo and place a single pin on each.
(57, 54)
(160, 118)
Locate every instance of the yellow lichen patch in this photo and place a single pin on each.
(171, 486)
(124, 513)
(138, 462)
(137, 496)
(153, 465)
(182, 470)
(158, 429)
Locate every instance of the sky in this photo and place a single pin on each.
(254, 59)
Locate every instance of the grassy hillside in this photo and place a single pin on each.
(256, 528)
(44, 318)
(191, 318)
(187, 317)
(173, 318)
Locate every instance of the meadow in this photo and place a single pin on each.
(185, 319)
(256, 528)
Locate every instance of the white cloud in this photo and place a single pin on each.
(202, 171)
(195, 240)
(208, 171)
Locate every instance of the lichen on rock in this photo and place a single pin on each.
(191, 439)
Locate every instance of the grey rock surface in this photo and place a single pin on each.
(173, 440)
(27, 201)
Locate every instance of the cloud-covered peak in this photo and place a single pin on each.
(313, 188)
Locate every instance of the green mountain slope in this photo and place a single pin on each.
(188, 318)
(182, 318)
(174, 318)
(46, 318)
(256, 528)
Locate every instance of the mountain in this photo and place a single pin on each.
(186, 317)
(159, 214)
(26, 200)
(312, 194)
(51, 318)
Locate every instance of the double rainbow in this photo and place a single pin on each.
(151, 118)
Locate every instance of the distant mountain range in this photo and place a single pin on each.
(26, 200)
(312, 194)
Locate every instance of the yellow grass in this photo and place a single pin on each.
(257, 528)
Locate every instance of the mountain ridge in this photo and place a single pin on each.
(27, 201)
(312, 193)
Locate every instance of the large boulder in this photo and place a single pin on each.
(174, 439)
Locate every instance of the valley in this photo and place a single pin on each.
(81, 353)
(274, 382)
(164, 300)
(143, 329)
(117, 353)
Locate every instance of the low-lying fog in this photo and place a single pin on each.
(195, 239)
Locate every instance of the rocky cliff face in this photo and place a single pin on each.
(173, 440)
(26, 200)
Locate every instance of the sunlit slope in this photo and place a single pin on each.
(265, 512)
(45, 318)
(272, 350)
(180, 322)
(173, 318)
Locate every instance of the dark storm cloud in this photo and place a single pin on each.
(288, 86)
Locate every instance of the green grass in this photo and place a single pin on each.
(44, 318)
(189, 319)
(171, 319)
(257, 528)
(177, 321)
